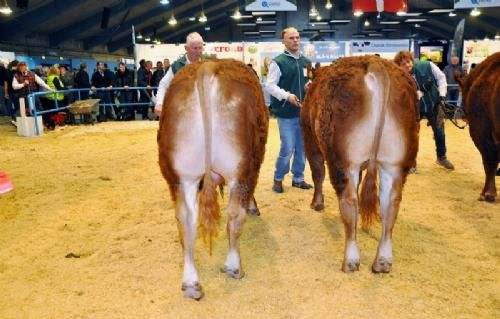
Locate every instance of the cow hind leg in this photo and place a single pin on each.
(187, 219)
(317, 165)
(348, 202)
(253, 209)
(391, 186)
(236, 219)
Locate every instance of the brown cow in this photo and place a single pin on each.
(361, 113)
(481, 103)
(213, 127)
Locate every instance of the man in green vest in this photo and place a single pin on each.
(286, 83)
(194, 50)
(432, 88)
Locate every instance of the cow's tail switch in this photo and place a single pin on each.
(209, 207)
(378, 82)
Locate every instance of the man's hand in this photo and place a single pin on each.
(293, 99)
(158, 108)
(26, 82)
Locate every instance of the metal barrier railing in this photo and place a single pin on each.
(33, 109)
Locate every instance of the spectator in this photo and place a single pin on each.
(82, 81)
(158, 74)
(145, 79)
(124, 78)
(25, 82)
(166, 66)
(68, 80)
(102, 79)
(3, 88)
(55, 83)
(449, 71)
(9, 93)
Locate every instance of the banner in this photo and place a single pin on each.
(271, 5)
(379, 5)
(385, 48)
(458, 41)
(464, 4)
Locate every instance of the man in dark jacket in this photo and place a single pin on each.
(123, 79)
(431, 85)
(286, 83)
(145, 79)
(82, 81)
(103, 80)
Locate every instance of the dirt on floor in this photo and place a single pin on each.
(90, 232)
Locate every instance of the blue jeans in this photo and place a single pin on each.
(439, 137)
(291, 144)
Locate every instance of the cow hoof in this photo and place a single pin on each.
(253, 212)
(233, 273)
(381, 265)
(192, 291)
(351, 265)
(489, 198)
(318, 206)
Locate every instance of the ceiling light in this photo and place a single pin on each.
(172, 20)
(147, 39)
(313, 12)
(43, 57)
(417, 25)
(266, 22)
(319, 23)
(61, 58)
(408, 14)
(139, 35)
(259, 19)
(441, 10)
(246, 24)
(4, 8)
(452, 14)
(475, 12)
(367, 23)
(192, 19)
(207, 28)
(389, 22)
(328, 31)
(486, 38)
(237, 14)
(203, 17)
(415, 20)
(358, 13)
(164, 2)
(497, 36)
(328, 5)
(340, 21)
(318, 18)
(264, 13)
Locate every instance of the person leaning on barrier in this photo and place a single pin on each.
(82, 81)
(124, 78)
(431, 85)
(194, 50)
(54, 81)
(25, 82)
(103, 79)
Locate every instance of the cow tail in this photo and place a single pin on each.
(378, 81)
(209, 206)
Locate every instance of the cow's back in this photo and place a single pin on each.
(233, 100)
(353, 98)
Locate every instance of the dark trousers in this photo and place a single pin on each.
(127, 111)
(105, 111)
(453, 96)
(439, 137)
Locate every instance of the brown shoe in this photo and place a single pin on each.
(278, 186)
(443, 161)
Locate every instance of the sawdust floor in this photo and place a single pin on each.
(96, 192)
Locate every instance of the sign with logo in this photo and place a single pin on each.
(461, 4)
(271, 5)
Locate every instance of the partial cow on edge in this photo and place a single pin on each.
(481, 103)
(213, 127)
(361, 113)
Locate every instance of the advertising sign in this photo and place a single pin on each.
(463, 4)
(271, 5)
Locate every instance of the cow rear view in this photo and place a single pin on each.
(213, 128)
(361, 113)
(481, 103)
